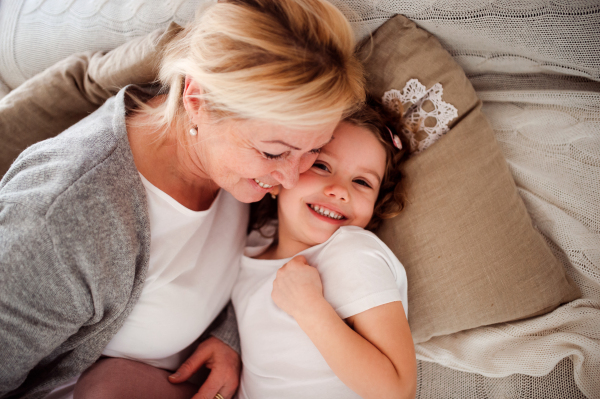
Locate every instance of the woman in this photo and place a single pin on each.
(116, 239)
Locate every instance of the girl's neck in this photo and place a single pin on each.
(283, 248)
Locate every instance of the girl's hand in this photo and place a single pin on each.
(297, 287)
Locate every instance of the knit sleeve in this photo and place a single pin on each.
(227, 330)
(41, 303)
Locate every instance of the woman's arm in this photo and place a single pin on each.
(40, 303)
(375, 358)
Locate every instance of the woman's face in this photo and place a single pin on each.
(248, 158)
(340, 189)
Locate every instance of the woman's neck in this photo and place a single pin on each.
(167, 164)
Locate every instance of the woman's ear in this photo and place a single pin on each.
(191, 98)
(275, 190)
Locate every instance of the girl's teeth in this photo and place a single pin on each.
(326, 212)
(263, 185)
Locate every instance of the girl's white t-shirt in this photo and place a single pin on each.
(194, 262)
(358, 272)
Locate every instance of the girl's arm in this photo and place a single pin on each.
(375, 358)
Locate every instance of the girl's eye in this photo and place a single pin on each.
(271, 156)
(362, 183)
(321, 166)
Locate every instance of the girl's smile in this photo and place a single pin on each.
(327, 213)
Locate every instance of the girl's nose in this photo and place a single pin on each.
(338, 191)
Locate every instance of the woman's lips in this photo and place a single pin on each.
(264, 188)
(261, 184)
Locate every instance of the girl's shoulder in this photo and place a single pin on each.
(359, 271)
(352, 246)
(353, 240)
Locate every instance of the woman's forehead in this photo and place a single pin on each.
(299, 139)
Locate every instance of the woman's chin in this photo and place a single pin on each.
(246, 196)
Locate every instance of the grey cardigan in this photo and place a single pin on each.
(74, 250)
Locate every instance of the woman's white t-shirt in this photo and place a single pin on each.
(358, 272)
(194, 262)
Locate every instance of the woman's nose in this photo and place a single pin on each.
(288, 172)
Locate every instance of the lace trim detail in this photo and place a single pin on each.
(426, 116)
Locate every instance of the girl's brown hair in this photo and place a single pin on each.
(374, 117)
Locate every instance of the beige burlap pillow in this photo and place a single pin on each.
(471, 253)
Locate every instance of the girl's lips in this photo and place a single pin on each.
(325, 218)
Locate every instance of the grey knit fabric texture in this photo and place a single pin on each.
(74, 250)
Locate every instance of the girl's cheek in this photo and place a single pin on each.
(309, 180)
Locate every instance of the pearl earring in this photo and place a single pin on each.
(193, 131)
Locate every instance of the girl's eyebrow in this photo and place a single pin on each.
(371, 172)
(362, 170)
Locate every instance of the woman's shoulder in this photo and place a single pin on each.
(79, 195)
(92, 156)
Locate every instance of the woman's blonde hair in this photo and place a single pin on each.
(289, 62)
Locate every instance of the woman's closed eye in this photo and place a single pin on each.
(272, 156)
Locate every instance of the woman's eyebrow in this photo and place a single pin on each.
(291, 146)
(281, 142)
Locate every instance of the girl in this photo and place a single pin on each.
(339, 329)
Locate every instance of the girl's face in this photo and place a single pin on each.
(340, 189)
